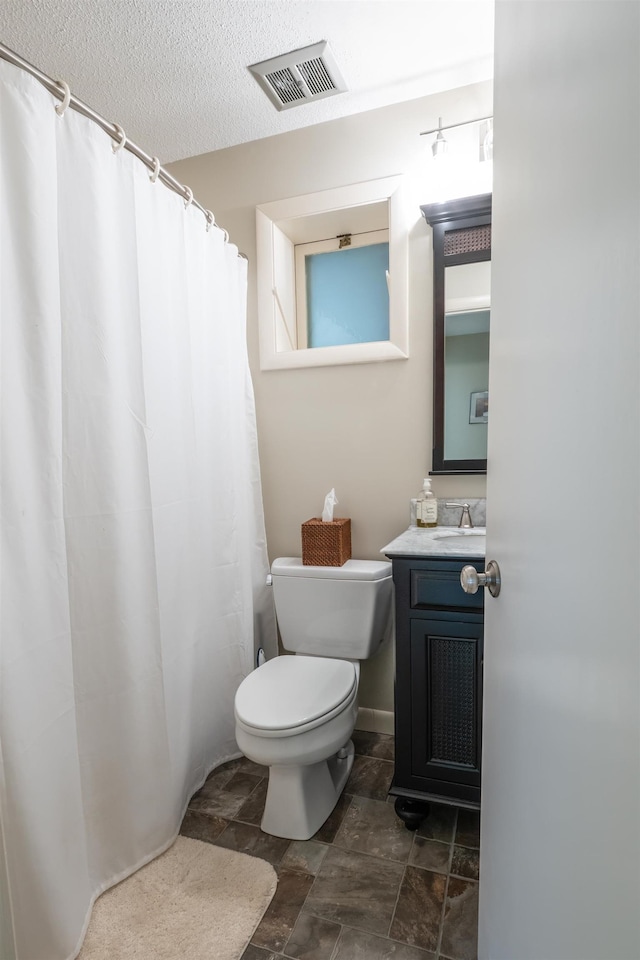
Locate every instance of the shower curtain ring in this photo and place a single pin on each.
(119, 144)
(153, 176)
(210, 219)
(61, 107)
(189, 197)
(226, 235)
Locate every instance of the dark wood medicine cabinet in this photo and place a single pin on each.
(461, 235)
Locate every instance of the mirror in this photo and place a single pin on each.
(461, 321)
(467, 303)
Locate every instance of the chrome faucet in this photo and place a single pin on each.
(465, 518)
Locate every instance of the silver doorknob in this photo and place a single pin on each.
(471, 580)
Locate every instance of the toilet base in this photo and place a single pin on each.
(300, 798)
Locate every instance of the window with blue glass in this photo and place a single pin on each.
(343, 294)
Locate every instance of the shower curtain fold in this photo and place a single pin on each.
(133, 548)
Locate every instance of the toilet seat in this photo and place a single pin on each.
(291, 694)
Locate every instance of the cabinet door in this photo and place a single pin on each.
(446, 695)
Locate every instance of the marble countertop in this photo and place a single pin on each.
(437, 542)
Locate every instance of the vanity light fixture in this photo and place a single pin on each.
(439, 145)
(486, 140)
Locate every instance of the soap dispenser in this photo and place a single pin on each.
(427, 506)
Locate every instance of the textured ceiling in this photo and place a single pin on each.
(173, 72)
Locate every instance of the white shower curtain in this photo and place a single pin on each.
(133, 553)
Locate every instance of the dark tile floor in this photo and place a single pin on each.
(364, 887)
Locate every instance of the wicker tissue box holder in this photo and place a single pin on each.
(326, 543)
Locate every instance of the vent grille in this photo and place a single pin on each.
(285, 86)
(316, 76)
(301, 76)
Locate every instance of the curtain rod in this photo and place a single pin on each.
(114, 131)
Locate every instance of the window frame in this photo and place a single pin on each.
(278, 222)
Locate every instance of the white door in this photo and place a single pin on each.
(560, 842)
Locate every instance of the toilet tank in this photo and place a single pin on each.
(342, 612)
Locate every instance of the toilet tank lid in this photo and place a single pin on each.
(351, 570)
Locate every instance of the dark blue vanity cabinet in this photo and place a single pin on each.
(438, 686)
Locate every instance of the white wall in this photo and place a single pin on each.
(363, 429)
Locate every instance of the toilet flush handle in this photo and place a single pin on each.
(269, 580)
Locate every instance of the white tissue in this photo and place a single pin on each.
(329, 502)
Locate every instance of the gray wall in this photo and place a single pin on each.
(466, 371)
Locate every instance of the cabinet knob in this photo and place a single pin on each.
(471, 580)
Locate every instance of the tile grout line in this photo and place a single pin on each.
(408, 863)
(363, 930)
(339, 847)
(395, 906)
(334, 953)
(315, 877)
(255, 789)
(369, 933)
(446, 888)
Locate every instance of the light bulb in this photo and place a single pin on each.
(439, 146)
(487, 143)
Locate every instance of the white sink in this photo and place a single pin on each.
(443, 533)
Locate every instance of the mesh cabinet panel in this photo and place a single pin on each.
(467, 240)
(452, 697)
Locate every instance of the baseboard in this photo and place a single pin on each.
(375, 721)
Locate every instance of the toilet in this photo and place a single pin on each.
(296, 714)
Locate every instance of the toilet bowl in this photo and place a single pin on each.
(296, 714)
(304, 739)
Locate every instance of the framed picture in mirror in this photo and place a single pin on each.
(479, 407)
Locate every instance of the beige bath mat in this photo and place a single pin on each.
(196, 901)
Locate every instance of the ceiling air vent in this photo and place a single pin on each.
(301, 76)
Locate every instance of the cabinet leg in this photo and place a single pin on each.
(411, 812)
